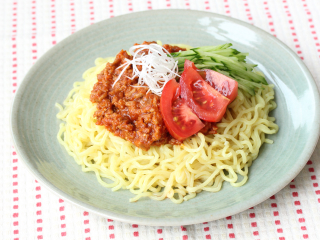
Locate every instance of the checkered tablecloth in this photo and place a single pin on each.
(28, 28)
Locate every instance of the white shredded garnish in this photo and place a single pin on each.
(157, 67)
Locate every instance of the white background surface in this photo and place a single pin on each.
(28, 211)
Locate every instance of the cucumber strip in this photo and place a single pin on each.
(182, 53)
(244, 73)
(249, 90)
(248, 85)
(241, 56)
(229, 52)
(204, 66)
(224, 73)
(222, 68)
(198, 61)
(183, 59)
(208, 59)
(220, 59)
(212, 63)
(212, 48)
(181, 67)
(249, 66)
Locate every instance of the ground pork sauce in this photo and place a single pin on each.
(131, 112)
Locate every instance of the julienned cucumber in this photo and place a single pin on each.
(225, 60)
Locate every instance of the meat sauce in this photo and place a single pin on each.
(130, 111)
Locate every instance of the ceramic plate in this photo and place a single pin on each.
(34, 123)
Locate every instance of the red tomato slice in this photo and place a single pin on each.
(223, 84)
(179, 119)
(206, 102)
(188, 64)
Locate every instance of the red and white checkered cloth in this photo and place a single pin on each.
(28, 28)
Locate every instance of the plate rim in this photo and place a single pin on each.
(176, 221)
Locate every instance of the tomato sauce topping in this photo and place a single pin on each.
(131, 111)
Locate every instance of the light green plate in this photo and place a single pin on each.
(34, 123)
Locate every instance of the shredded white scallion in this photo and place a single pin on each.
(157, 67)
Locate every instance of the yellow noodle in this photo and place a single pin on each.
(201, 163)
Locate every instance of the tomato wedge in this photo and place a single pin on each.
(206, 102)
(223, 84)
(179, 119)
(188, 64)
